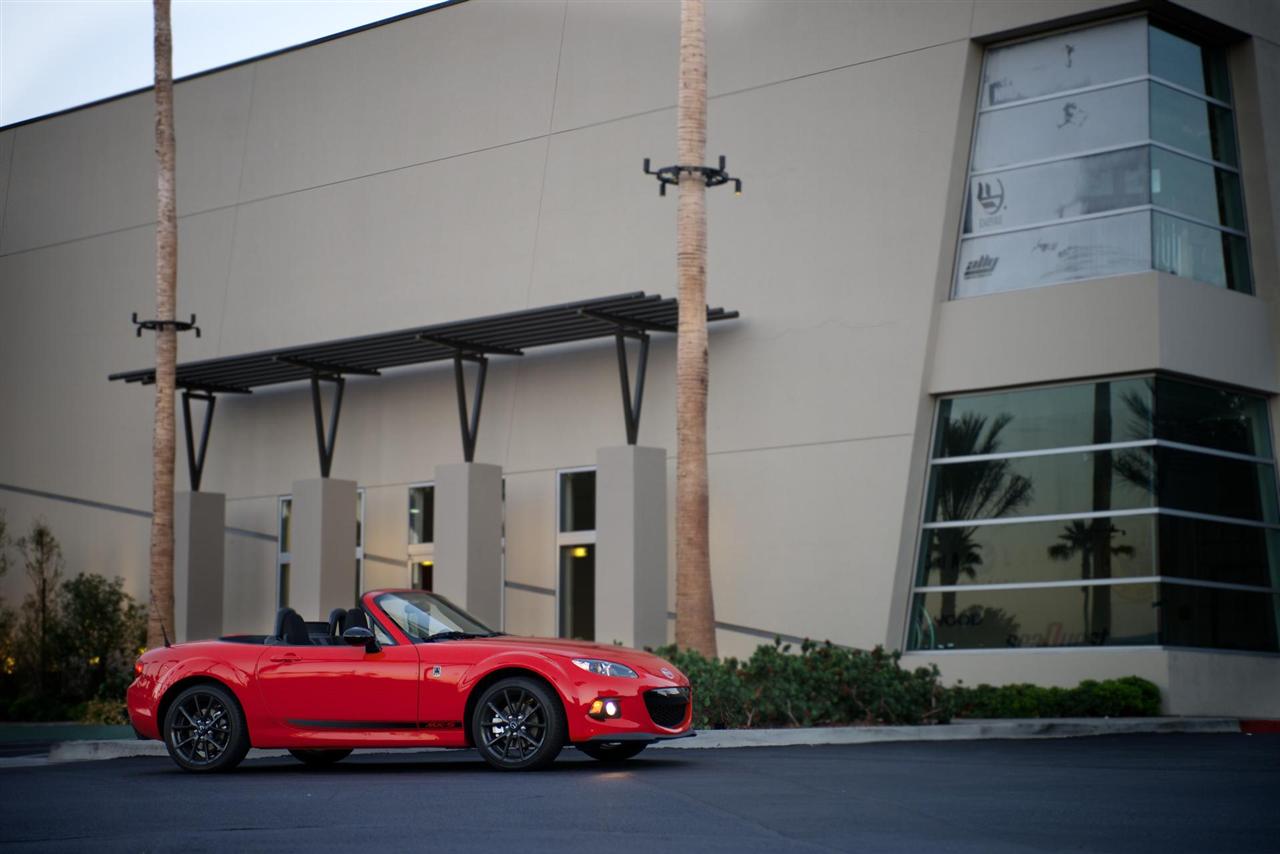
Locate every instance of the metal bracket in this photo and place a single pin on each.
(195, 456)
(157, 325)
(325, 445)
(470, 347)
(711, 175)
(631, 403)
(470, 423)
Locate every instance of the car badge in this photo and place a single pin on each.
(666, 671)
(435, 671)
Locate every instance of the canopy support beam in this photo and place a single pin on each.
(196, 454)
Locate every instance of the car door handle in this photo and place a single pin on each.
(286, 658)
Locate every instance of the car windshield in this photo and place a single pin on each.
(427, 617)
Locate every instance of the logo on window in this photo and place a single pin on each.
(992, 200)
(980, 267)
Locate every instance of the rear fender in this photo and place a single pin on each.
(234, 676)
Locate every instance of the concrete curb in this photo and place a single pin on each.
(86, 751)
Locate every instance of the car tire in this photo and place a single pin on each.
(319, 758)
(612, 752)
(205, 731)
(518, 725)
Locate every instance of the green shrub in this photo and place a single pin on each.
(1130, 696)
(110, 712)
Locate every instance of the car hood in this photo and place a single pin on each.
(633, 658)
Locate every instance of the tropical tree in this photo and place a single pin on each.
(1082, 537)
(695, 609)
(160, 612)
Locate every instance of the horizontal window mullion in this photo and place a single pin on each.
(1075, 155)
(1042, 585)
(1106, 446)
(1099, 514)
(1173, 149)
(1209, 517)
(1214, 452)
(1178, 87)
(1110, 84)
(1197, 221)
(1218, 585)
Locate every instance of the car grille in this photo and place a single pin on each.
(667, 706)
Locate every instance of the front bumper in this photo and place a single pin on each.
(646, 738)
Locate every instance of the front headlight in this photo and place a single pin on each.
(605, 668)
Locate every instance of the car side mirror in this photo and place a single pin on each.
(360, 636)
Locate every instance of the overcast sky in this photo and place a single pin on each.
(56, 54)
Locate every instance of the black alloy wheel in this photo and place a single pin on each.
(518, 725)
(205, 731)
(320, 757)
(612, 752)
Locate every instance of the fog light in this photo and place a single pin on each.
(603, 710)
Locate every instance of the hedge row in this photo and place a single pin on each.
(826, 685)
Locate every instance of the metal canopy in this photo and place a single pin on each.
(500, 334)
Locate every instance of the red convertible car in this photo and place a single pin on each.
(404, 669)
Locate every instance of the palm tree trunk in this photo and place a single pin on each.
(160, 614)
(695, 611)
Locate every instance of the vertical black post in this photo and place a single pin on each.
(470, 424)
(195, 457)
(325, 446)
(631, 405)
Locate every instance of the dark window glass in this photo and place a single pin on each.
(1037, 419)
(1186, 122)
(284, 586)
(1196, 189)
(1206, 484)
(286, 511)
(1198, 252)
(1211, 417)
(1080, 482)
(423, 575)
(578, 592)
(422, 508)
(1200, 69)
(1222, 619)
(577, 501)
(1122, 547)
(1215, 551)
(1095, 615)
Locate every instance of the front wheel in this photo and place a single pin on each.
(611, 752)
(205, 730)
(317, 758)
(518, 725)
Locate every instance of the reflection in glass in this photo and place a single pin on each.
(422, 508)
(578, 592)
(1196, 188)
(1196, 252)
(1190, 124)
(1215, 551)
(1222, 619)
(1007, 554)
(1221, 487)
(1200, 69)
(284, 586)
(1212, 417)
(577, 501)
(1034, 617)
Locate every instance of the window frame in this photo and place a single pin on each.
(1155, 512)
(284, 558)
(1150, 208)
(416, 553)
(568, 539)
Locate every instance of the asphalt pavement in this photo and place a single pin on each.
(1138, 793)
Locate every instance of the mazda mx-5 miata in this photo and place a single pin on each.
(405, 668)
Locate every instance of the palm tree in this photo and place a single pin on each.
(1082, 538)
(988, 489)
(695, 610)
(160, 612)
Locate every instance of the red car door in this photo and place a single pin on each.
(341, 687)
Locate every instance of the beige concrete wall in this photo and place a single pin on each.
(486, 157)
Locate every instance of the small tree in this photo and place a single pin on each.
(7, 661)
(42, 558)
(103, 629)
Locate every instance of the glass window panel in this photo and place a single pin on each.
(1054, 417)
(1199, 252)
(1222, 619)
(1065, 61)
(284, 586)
(578, 592)
(577, 501)
(1034, 486)
(1221, 418)
(1186, 122)
(1215, 551)
(1072, 124)
(1039, 551)
(422, 508)
(1087, 249)
(423, 574)
(1096, 615)
(1201, 69)
(359, 519)
(1058, 190)
(286, 511)
(1195, 188)
(1207, 484)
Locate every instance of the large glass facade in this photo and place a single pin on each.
(1139, 510)
(1099, 152)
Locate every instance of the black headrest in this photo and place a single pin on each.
(356, 617)
(337, 622)
(291, 628)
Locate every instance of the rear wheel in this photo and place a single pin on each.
(205, 730)
(318, 758)
(518, 725)
(610, 752)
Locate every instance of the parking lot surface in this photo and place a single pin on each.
(1157, 793)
